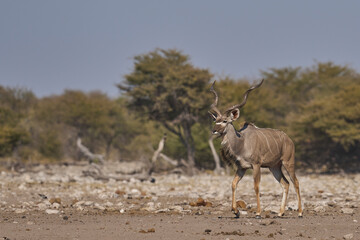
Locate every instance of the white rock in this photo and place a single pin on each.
(321, 203)
(20, 210)
(243, 212)
(347, 210)
(103, 196)
(55, 205)
(348, 236)
(133, 180)
(22, 186)
(80, 208)
(162, 210)
(122, 210)
(214, 212)
(320, 209)
(26, 204)
(42, 206)
(291, 205)
(135, 191)
(28, 179)
(79, 203)
(112, 181)
(52, 211)
(272, 209)
(148, 209)
(98, 206)
(88, 203)
(176, 208)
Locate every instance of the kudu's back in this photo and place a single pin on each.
(266, 146)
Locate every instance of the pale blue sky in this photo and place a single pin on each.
(48, 46)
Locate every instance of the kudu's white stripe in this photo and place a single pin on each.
(277, 145)
(267, 142)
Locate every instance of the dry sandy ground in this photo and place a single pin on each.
(59, 203)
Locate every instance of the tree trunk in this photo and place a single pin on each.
(190, 148)
(218, 168)
(188, 141)
(108, 148)
(159, 150)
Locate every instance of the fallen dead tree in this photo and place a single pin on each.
(158, 154)
(178, 166)
(89, 155)
(98, 175)
(130, 170)
(96, 171)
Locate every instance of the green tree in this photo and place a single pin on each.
(165, 87)
(15, 106)
(326, 125)
(101, 122)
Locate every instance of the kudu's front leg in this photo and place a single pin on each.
(256, 175)
(238, 176)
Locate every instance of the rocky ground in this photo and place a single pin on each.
(59, 202)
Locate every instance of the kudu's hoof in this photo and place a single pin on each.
(300, 216)
(237, 214)
(257, 217)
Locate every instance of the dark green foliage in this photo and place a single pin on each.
(100, 122)
(15, 105)
(326, 126)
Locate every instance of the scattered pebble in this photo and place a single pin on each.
(348, 236)
(20, 211)
(55, 200)
(200, 202)
(241, 204)
(347, 210)
(320, 209)
(52, 211)
(58, 189)
(150, 230)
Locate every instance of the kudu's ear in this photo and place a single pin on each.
(234, 114)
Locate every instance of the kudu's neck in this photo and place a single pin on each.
(232, 139)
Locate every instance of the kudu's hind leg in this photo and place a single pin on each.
(290, 168)
(279, 176)
(257, 176)
(238, 176)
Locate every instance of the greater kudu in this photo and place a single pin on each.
(253, 147)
